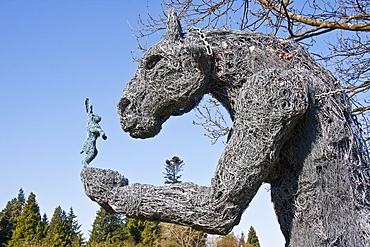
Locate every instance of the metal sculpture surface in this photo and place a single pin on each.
(93, 132)
(292, 128)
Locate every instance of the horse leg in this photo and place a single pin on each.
(265, 113)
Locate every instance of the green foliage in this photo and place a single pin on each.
(57, 230)
(175, 235)
(134, 228)
(252, 238)
(150, 233)
(173, 167)
(9, 216)
(144, 232)
(43, 227)
(63, 229)
(28, 224)
(75, 236)
(21, 225)
(107, 229)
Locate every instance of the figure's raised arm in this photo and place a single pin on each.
(268, 106)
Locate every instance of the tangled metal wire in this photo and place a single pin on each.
(307, 147)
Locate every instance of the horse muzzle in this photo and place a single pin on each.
(134, 122)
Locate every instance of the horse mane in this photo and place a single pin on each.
(240, 54)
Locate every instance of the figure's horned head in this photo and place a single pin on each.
(171, 79)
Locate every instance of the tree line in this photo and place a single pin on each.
(21, 224)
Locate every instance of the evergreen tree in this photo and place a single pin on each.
(22, 225)
(176, 235)
(150, 233)
(173, 167)
(75, 237)
(107, 228)
(63, 229)
(42, 231)
(252, 238)
(9, 216)
(134, 229)
(58, 229)
(142, 232)
(28, 224)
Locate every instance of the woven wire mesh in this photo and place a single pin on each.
(292, 128)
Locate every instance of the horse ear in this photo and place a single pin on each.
(174, 30)
(88, 106)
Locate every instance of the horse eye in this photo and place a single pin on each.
(152, 61)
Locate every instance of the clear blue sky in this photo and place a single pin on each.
(54, 54)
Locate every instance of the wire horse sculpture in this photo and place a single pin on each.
(308, 148)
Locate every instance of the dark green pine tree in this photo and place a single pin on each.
(75, 237)
(57, 232)
(9, 216)
(173, 167)
(141, 232)
(28, 224)
(107, 229)
(134, 229)
(252, 238)
(150, 233)
(42, 231)
(63, 229)
(190, 236)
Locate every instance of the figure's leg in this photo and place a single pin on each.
(267, 107)
(90, 155)
(84, 163)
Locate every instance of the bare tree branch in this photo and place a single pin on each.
(321, 23)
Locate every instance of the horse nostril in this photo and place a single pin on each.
(123, 103)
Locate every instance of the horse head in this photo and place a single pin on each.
(171, 79)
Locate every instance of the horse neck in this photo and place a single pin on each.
(234, 62)
(226, 94)
(238, 55)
